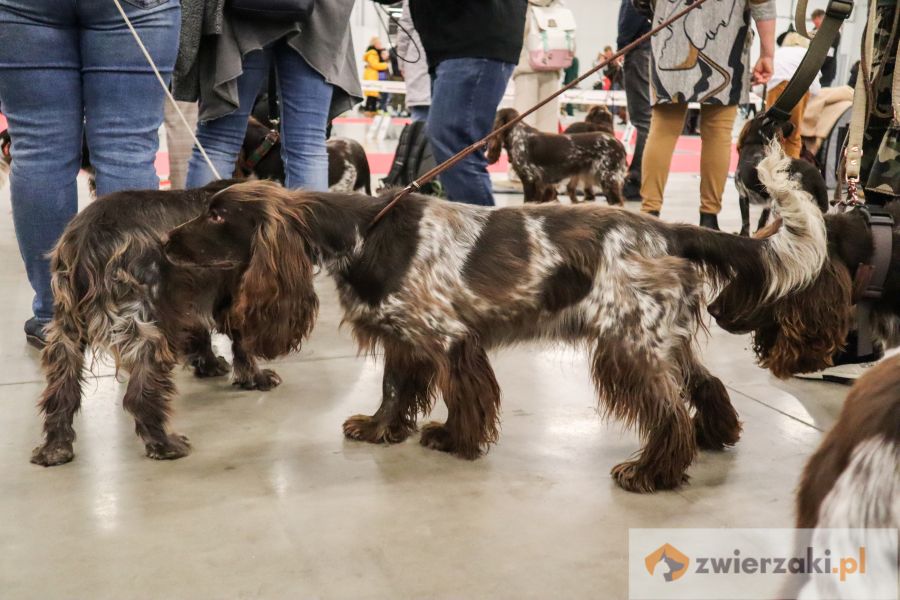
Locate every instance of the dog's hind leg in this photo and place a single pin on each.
(407, 389)
(472, 395)
(63, 361)
(247, 374)
(530, 191)
(640, 365)
(150, 362)
(572, 189)
(199, 354)
(715, 422)
(763, 218)
(744, 203)
(645, 391)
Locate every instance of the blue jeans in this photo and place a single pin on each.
(70, 68)
(465, 94)
(305, 102)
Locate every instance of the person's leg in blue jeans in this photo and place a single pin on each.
(40, 90)
(123, 101)
(305, 103)
(222, 137)
(42, 93)
(464, 99)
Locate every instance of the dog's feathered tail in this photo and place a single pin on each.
(771, 268)
(796, 253)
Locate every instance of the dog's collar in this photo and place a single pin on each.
(261, 151)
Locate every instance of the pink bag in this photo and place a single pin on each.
(551, 42)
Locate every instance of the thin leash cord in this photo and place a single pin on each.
(165, 88)
(434, 172)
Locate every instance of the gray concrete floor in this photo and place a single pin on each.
(275, 503)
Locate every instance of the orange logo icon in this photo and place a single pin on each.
(676, 562)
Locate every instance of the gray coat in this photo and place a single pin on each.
(213, 43)
(412, 60)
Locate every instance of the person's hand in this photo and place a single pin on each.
(763, 70)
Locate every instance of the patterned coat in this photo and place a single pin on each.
(705, 56)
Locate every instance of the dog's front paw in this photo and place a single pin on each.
(367, 429)
(175, 446)
(263, 380)
(210, 367)
(631, 476)
(52, 454)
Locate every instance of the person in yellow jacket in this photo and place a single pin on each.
(374, 65)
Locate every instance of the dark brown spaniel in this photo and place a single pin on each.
(115, 291)
(541, 160)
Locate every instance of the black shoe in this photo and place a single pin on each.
(632, 190)
(653, 213)
(709, 220)
(35, 334)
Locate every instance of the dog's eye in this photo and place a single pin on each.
(215, 218)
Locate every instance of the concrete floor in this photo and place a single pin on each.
(275, 503)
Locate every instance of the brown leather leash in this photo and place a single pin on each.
(431, 174)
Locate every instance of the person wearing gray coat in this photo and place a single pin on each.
(413, 66)
(224, 60)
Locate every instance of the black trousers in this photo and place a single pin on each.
(637, 92)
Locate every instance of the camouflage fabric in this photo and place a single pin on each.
(880, 167)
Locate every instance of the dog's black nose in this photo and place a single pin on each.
(714, 309)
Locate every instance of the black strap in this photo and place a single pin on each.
(273, 93)
(835, 15)
(882, 224)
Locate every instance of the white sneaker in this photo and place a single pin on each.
(847, 373)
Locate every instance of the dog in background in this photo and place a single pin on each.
(348, 167)
(437, 284)
(752, 142)
(115, 291)
(542, 160)
(852, 481)
(598, 118)
(802, 331)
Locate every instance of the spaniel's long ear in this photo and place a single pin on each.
(495, 144)
(809, 327)
(277, 304)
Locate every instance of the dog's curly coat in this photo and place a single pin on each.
(437, 284)
(541, 160)
(114, 290)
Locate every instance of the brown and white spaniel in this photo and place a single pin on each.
(541, 160)
(436, 285)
